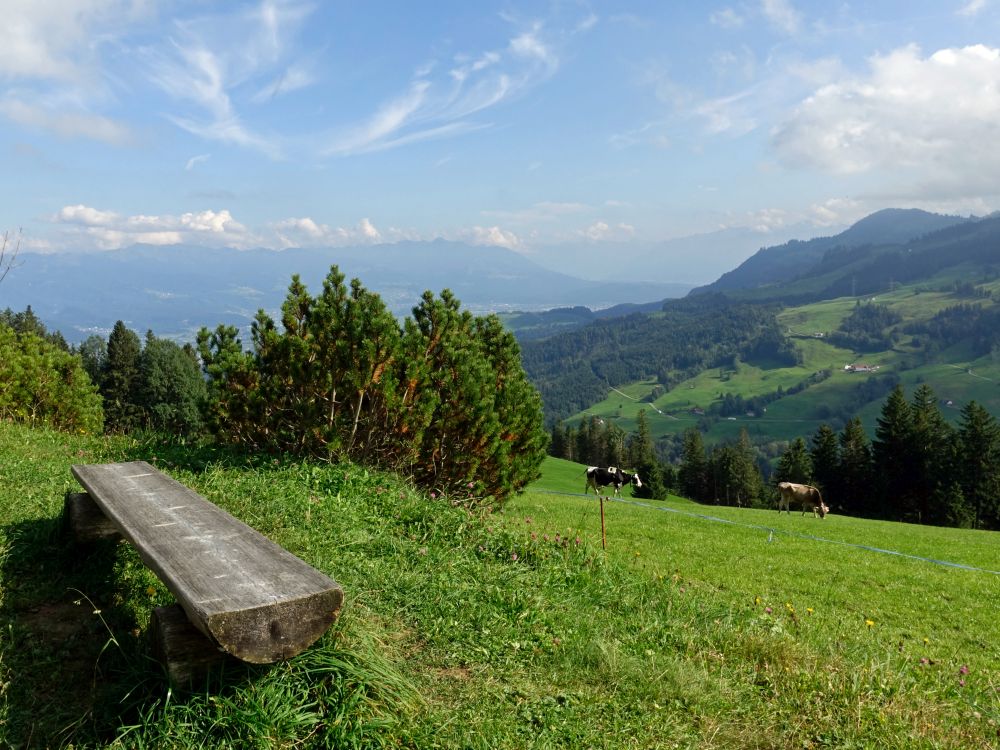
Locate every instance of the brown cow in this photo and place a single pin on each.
(801, 494)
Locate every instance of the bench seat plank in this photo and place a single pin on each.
(253, 598)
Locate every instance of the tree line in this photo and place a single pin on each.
(917, 468)
(441, 398)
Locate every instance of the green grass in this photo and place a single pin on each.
(801, 414)
(467, 631)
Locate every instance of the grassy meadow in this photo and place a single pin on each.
(699, 627)
(955, 375)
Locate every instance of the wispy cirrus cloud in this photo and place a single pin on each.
(205, 59)
(440, 98)
(972, 8)
(782, 15)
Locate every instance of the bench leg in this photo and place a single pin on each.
(185, 652)
(85, 520)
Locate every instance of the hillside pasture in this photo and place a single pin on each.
(802, 413)
(465, 630)
(868, 629)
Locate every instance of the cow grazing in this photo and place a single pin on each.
(801, 494)
(598, 477)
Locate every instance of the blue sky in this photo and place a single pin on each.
(529, 125)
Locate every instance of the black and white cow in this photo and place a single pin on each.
(598, 477)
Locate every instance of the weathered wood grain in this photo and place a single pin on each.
(85, 520)
(181, 648)
(254, 599)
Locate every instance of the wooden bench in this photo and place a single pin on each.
(253, 599)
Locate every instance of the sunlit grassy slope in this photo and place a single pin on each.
(955, 375)
(699, 627)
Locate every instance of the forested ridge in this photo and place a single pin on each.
(574, 369)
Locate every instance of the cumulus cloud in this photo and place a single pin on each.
(306, 232)
(491, 236)
(601, 231)
(86, 226)
(937, 116)
(836, 212)
(53, 39)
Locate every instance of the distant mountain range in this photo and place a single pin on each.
(177, 289)
(794, 259)
(575, 361)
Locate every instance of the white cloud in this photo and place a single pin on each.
(491, 236)
(53, 50)
(74, 123)
(936, 117)
(291, 79)
(972, 8)
(837, 212)
(438, 107)
(86, 216)
(368, 231)
(54, 39)
(782, 15)
(209, 57)
(601, 231)
(531, 45)
(307, 232)
(195, 161)
(87, 227)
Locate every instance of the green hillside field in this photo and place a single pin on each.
(955, 374)
(698, 627)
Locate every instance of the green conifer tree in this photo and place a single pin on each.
(692, 475)
(795, 464)
(892, 458)
(825, 456)
(120, 380)
(979, 466)
(642, 458)
(857, 493)
(932, 454)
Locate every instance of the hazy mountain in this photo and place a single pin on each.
(177, 289)
(779, 263)
(695, 259)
